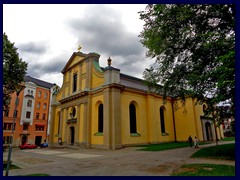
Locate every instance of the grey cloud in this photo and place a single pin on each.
(134, 67)
(102, 31)
(54, 65)
(32, 47)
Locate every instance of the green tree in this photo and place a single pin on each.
(194, 50)
(14, 70)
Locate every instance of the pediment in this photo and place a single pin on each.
(75, 59)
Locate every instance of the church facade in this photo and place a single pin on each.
(102, 108)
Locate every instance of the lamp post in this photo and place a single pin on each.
(19, 88)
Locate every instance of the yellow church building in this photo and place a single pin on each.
(102, 108)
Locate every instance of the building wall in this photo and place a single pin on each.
(184, 120)
(96, 138)
(32, 134)
(10, 119)
(148, 119)
(96, 86)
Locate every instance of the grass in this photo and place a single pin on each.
(165, 146)
(11, 166)
(205, 170)
(226, 152)
(39, 174)
(229, 139)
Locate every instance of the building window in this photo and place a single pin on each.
(6, 114)
(132, 117)
(38, 105)
(7, 126)
(162, 121)
(28, 91)
(45, 106)
(74, 82)
(29, 103)
(39, 93)
(28, 114)
(43, 116)
(15, 113)
(100, 118)
(45, 95)
(39, 128)
(37, 115)
(7, 139)
(73, 112)
(25, 127)
(32, 92)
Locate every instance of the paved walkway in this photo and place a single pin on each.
(93, 162)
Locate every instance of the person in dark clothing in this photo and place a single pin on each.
(190, 140)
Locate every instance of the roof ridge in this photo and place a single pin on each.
(38, 81)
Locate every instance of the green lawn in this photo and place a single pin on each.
(205, 170)
(11, 166)
(226, 151)
(165, 146)
(229, 139)
(36, 174)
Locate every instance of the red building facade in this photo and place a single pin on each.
(32, 115)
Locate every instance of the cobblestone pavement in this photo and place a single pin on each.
(93, 162)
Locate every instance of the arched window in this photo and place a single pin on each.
(133, 119)
(74, 82)
(162, 121)
(100, 118)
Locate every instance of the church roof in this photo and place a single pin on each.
(132, 82)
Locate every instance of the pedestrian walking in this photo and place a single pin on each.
(190, 140)
(196, 142)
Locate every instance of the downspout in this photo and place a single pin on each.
(174, 127)
(49, 115)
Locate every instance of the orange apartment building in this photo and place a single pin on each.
(33, 113)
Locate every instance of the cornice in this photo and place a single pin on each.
(73, 97)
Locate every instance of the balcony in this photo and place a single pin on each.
(26, 121)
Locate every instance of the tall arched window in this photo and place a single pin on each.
(100, 118)
(162, 121)
(133, 119)
(74, 82)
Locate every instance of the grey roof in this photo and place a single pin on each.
(38, 82)
(132, 82)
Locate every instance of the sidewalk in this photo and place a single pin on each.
(93, 162)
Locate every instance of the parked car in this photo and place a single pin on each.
(28, 146)
(44, 145)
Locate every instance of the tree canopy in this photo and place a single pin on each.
(194, 48)
(14, 70)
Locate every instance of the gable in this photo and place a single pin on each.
(75, 59)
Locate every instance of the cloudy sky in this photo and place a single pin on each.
(47, 35)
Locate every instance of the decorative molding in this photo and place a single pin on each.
(71, 121)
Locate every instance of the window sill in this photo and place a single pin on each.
(165, 134)
(98, 134)
(135, 135)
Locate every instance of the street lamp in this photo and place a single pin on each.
(18, 89)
